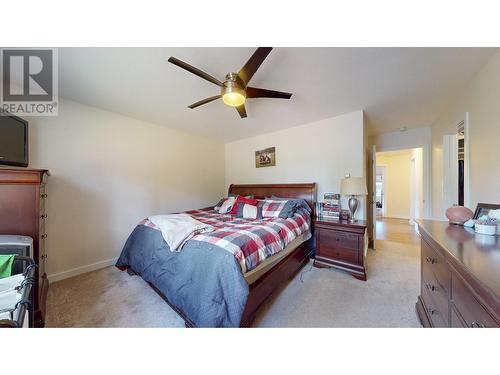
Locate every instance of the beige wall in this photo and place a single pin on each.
(481, 99)
(322, 152)
(108, 173)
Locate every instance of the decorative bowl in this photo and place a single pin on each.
(490, 230)
(459, 214)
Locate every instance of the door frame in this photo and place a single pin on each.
(413, 190)
(384, 185)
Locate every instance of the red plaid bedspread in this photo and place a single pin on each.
(250, 241)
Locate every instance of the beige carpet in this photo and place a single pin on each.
(314, 298)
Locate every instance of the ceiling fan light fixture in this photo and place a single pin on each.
(235, 90)
(232, 92)
(234, 99)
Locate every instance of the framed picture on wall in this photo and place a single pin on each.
(265, 158)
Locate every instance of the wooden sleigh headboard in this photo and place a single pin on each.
(260, 191)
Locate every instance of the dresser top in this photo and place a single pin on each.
(479, 254)
(22, 175)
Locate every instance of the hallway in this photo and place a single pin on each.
(396, 230)
(399, 184)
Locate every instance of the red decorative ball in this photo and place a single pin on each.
(459, 214)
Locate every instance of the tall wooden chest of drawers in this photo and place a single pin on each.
(22, 212)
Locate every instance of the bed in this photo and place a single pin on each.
(206, 286)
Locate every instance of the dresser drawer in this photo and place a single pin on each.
(337, 239)
(469, 308)
(440, 296)
(435, 263)
(438, 317)
(455, 320)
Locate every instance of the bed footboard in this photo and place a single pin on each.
(262, 289)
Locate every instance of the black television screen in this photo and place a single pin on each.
(13, 140)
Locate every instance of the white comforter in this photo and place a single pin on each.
(176, 229)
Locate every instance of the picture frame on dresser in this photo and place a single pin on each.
(484, 209)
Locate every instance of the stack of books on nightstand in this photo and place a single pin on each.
(330, 208)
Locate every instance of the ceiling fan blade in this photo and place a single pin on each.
(246, 73)
(253, 92)
(194, 70)
(204, 101)
(242, 111)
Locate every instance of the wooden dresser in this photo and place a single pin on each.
(341, 245)
(22, 212)
(460, 277)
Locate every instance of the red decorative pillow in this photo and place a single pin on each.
(241, 199)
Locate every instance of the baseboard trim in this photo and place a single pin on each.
(79, 270)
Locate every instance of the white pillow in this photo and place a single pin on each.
(227, 205)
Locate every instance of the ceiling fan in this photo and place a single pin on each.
(234, 90)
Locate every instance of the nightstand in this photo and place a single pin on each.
(342, 245)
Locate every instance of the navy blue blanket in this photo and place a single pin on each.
(203, 280)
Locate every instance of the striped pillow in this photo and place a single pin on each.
(248, 211)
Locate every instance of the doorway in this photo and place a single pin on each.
(399, 188)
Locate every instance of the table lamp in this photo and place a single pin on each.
(353, 186)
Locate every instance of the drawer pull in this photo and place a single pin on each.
(477, 325)
(431, 260)
(44, 236)
(44, 216)
(431, 311)
(43, 196)
(431, 287)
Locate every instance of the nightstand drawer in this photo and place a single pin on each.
(339, 254)
(337, 239)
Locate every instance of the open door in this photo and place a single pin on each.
(456, 159)
(372, 211)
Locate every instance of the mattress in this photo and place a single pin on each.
(266, 265)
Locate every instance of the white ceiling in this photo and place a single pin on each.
(395, 86)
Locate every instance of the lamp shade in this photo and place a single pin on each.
(353, 186)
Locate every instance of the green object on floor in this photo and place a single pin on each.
(6, 262)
